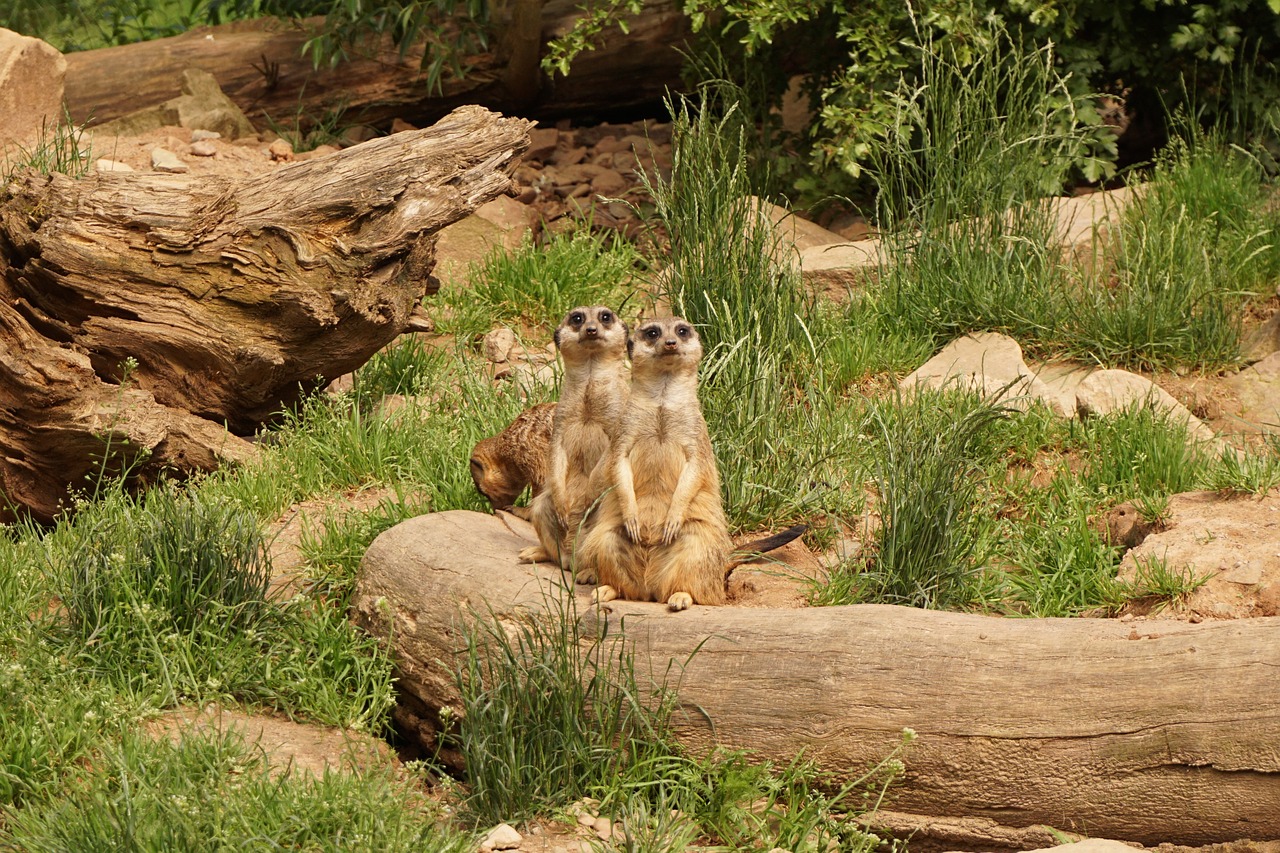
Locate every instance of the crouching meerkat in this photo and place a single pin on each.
(503, 465)
(592, 343)
(660, 533)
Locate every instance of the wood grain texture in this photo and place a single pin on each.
(233, 298)
(1143, 732)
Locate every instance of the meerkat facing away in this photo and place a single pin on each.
(503, 465)
(660, 532)
(592, 343)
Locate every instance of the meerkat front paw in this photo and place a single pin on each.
(632, 528)
(535, 554)
(586, 576)
(670, 530)
(679, 601)
(604, 593)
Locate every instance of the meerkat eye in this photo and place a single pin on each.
(576, 318)
(606, 317)
(652, 333)
(683, 331)
(477, 464)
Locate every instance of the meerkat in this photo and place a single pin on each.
(503, 465)
(660, 533)
(592, 343)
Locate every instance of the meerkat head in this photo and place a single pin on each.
(667, 344)
(588, 332)
(492, 477)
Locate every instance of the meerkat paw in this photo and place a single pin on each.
(679, 601)
(632, 528)
(604, 593)
(535, 554)
(670, 530)
(586, 576)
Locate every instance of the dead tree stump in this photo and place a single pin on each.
(229, 299)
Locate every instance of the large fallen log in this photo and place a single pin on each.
(158, 308)
(259, 65)
(1142, 732)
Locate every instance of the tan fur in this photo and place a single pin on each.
(660, 533)
(592, 343)
(504, 464)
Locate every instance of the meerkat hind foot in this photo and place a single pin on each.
(586, 576)
(535, 554)
(679, 601)
(604, 593)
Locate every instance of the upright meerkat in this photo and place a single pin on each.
(660, 532)
(503, 465)
(592, 343)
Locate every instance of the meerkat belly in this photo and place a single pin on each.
(656, 467)
(591, 445)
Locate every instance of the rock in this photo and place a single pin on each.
(203, 148)
(1091, 845)
(502, 837)
(399, 125)
(32, 73)
(280, 151)
(1105, 391)
(603, 828)
(201, 135)
(502, 222)
(608, 182)
(542, 142)
(837, 268)
(497, 345)
(105, 165)
(1234, 540)
(1263, 341)
(991, 364)
(794, 230)
(1078, 218)
(1258, 389)
(164, 160)
(201, 106)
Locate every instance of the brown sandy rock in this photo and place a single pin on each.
(991, 364)
(1232, 540)
(31, 84)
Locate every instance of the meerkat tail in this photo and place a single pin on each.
(752, 550)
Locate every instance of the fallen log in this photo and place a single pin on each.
(148, 306)
(259, 65)
(1142, 732)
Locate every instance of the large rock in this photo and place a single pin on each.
(201, 106)
(503, 222)
(1232, 540)
(837, 268)
(991, 364)
(31, 84)
(1105, 391)
(1258, 388)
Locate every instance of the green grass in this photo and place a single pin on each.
(60, 148)
(139, 603)
(218, 793)
(545, 724)
(535, 285)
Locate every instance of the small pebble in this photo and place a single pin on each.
(501, 837)
(203, 148)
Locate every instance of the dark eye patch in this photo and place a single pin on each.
(652, 332)
(606, 317)
(576, 318)
(683, 331)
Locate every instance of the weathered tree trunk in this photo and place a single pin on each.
(232, 298)
(1144, 732)
(259, 65)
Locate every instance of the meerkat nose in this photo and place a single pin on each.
(590, 331)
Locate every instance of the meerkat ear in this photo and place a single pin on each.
(631, 347)
(556, 337)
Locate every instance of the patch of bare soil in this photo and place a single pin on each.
(290, 747)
